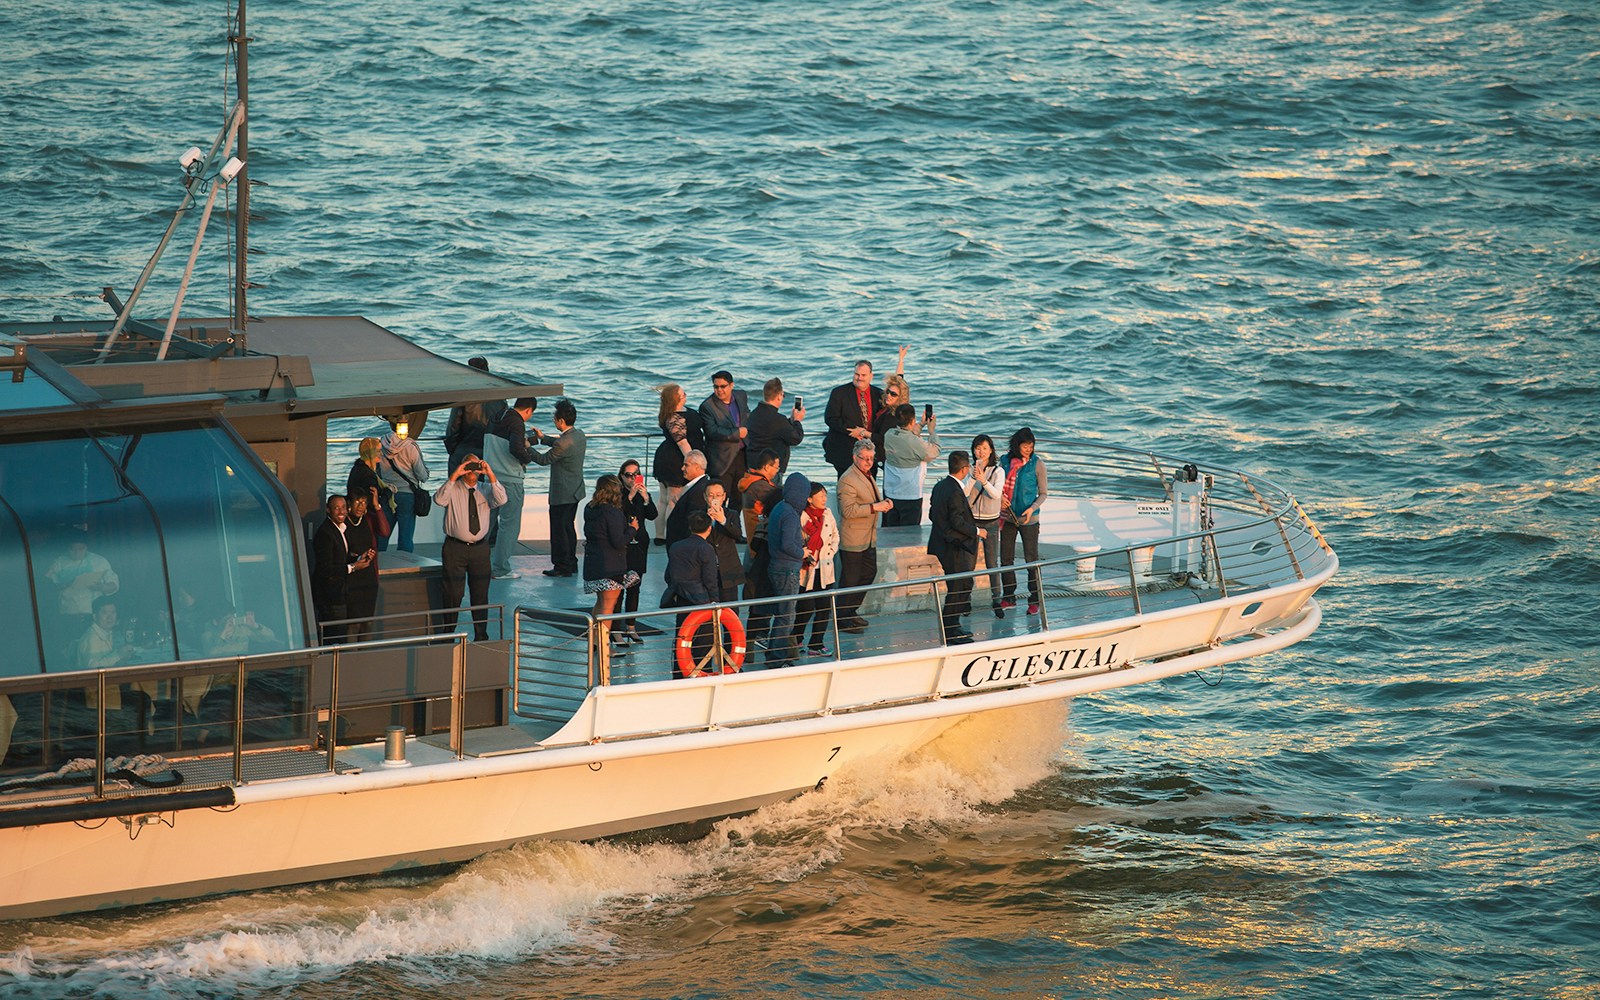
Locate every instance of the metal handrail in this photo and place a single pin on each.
(427, 615)
(1207, 538)
(101, 680)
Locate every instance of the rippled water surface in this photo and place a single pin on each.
(1349, 246)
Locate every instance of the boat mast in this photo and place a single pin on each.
(240, 317)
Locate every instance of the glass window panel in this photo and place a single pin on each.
(229, 541)
(16, 601)
(32, 393)
(90, 537)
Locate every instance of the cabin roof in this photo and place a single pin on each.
(301, 366)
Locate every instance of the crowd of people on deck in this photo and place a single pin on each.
(735, 522)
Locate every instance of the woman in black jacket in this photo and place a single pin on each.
(361, 586)
(606, 534)
(640, 509)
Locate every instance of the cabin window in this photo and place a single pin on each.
(227, 540)
(92, 538)
(17, 616)
(176, 527)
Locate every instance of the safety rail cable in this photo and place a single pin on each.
(1243, 562)
(238, 669)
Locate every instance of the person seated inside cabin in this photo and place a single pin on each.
(226, 634)
(100, 647)
(231, 634)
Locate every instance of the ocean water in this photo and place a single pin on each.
(1351, 246)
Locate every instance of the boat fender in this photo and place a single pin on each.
(731, 626)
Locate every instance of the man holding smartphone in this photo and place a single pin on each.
(907, 453)
(771, 429)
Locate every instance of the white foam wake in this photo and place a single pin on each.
(546, 898)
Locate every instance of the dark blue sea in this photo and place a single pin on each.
(1352, 246)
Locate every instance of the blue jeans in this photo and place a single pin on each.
(785, 583)
(505, 542)
(405, 517)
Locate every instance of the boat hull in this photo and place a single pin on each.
(327, 832)
(442, 810)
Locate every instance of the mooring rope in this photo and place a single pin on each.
(135, 769)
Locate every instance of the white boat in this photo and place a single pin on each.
(189, 460)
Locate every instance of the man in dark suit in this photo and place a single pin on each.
(851, 409)
(692, 498)
(954, 541)
(693, 577)
(726, 413)
(770, 429)
(331, 563)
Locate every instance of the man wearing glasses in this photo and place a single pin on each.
(726, 413)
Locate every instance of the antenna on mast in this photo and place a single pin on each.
(239, 316)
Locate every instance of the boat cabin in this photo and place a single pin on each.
(155, 509)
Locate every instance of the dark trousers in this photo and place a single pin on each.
(638, 561)
(958, 598)
(816, 608)
(906, 513)
(564, 537)
(332, 611)
(757, 585)
(1009, 530)
(730, 481)
(856, 569)
(466, 567)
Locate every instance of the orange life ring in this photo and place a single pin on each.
(732, 657)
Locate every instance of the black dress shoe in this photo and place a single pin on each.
(555, 572)
(855, 626)
(999, 612)
(959, 638)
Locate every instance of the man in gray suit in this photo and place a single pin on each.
(564, 455)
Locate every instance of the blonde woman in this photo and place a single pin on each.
(364, 482)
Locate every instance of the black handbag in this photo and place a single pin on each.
(421, 500)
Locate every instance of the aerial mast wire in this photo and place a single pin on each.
(240, 316)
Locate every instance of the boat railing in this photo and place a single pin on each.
(1075, 467)
(198, 724)
(409, 624)
(559, 655)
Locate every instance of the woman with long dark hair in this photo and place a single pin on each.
(1020, 499)
(984, 491)
(638, 508)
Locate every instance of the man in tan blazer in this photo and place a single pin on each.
(860, 504)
